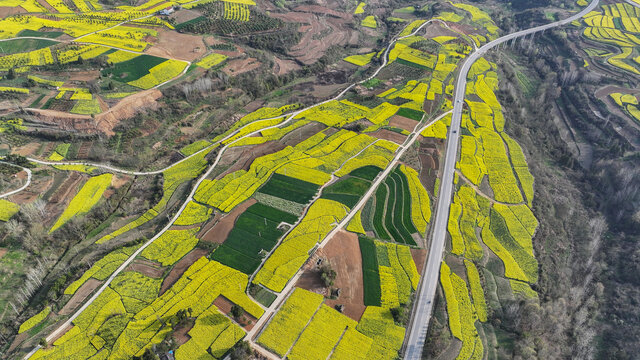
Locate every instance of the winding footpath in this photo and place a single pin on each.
(427, 290)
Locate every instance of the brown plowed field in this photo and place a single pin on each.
(332, 30)
(429, 156)
(389, 135)
(224, 305)
(126, 108)
(343, 253)
(148, 268)
(81, 294)
(419, 257)
(180, 268)
(219, 232)
(8, 11)
(176, 45)
(403, 122)
(243, 156)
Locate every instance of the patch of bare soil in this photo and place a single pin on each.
(2, 252)
(254, 105)
(429, 156)
(126, 108)
(281, 66)
(28, 149)
(239, 66)
(389, 135)
(7, 11)
(180, 268)
(81, 294)
(323, 91)
(176, 45)
(63, 120)
(185, 15)
(319, 31)
(84, 75)
(343, 253)
(465, 29)
(403, 122)
(419, 257)
(146, 267)
(436, 29)
(18, 340)
(181, 335)
(224, 305)
(219, 232)
(243, 156)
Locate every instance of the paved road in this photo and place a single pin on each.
(28, 171)
(124, 265)
(423, 307)
(345, 221)
(290, 117)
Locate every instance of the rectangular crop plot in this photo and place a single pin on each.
(370, 272)
(290, 189)
(133, 69)
(410, 113)
(347, 191)
(254, 231)
(368, 172)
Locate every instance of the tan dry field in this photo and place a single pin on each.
(342, 252)
(184, 15)
(389, 135)
(176, 45)
(220, 231)
(419, 258)
(28, 149)
(180, 267)
(80, 295)
(436, 29)
(86, 75)
(282, 66)
(126, 108)
(240, 66)
(316, 22)
(8, 11)
(403, 122)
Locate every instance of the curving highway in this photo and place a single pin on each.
(424, 300)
